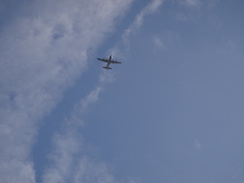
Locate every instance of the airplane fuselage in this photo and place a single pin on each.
(109, 61)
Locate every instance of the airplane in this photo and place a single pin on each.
(108, 61)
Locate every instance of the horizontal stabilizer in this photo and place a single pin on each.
(107, 67)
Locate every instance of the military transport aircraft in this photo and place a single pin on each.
(109, 61)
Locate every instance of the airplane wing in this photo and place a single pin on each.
(103, 59)
(115, 62)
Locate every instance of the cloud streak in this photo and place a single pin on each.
(70, 161)
(192, 3)
(149, 9)
(43, 50)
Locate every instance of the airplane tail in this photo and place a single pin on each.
(106, 67)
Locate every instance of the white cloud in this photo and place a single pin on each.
(83, 105)
(199, 3)
(192, 3)
(106, 77)
(42, 51)
(66, 146)
(89, 171)
(91, 98)
(158, 43)
(70, 164)
(69, 160)
(149, 9)
(165, 40)
(212, 3)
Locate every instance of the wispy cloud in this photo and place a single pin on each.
(91, 98)
(212, 3)
(191, 3)
(70, 163)
(149, 9)
(83, 105)
(199, 3)
(42, 51)
(157, 41)
(69, 160)
(165, 40)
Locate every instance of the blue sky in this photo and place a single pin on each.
(171, 112)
